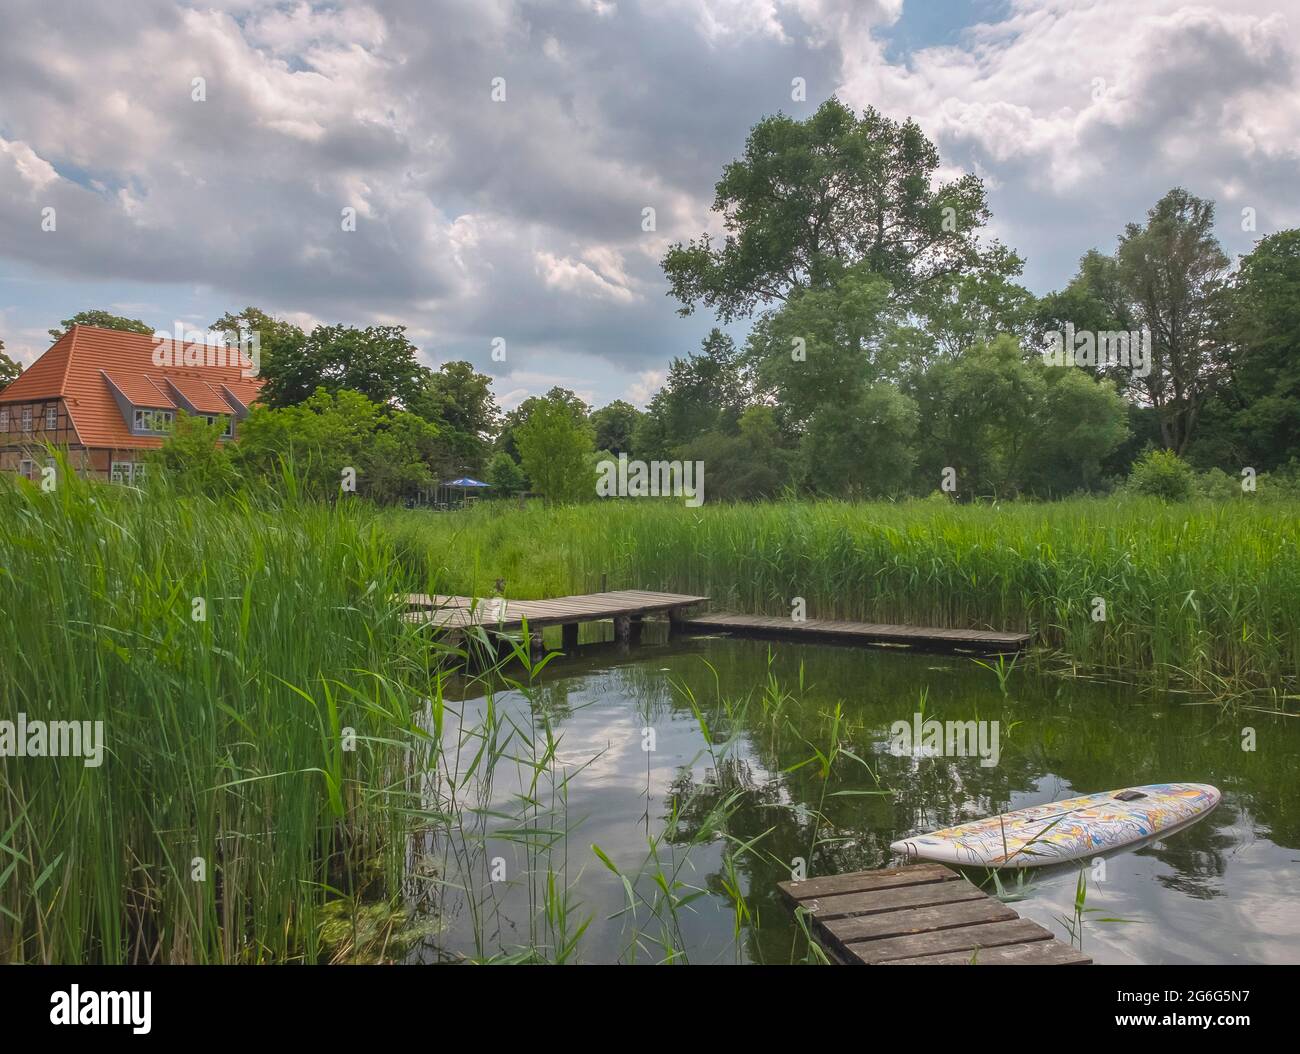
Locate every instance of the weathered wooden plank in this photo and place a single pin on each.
(461, 612)
(859, 631)
(876, 901)
(916, 920)
(862, 881)
(959, 939)
(919, 913)
(1037, 953)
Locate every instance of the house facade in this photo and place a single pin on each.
(109, 397)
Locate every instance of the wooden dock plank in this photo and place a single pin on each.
(861, 881)
(460, 612)
(916, 920)
(875, 901)
(919, 914)
(863, 632)
(968, 939)
(1037, 953)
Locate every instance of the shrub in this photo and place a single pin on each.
(1162, 474)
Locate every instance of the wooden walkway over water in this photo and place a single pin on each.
(921, 915)
(835, 630)
(626, 607)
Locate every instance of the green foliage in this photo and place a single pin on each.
(1168, 277)
(1263, 404)
(459, 400)
(278, 341)
(615, 426)
(755, 462)
(104, 320)
(809, 198)
(555, 449)
(391, 450)
(703, 393)
(977, 306)
(820, 346)
(1162, 474)
(863, 447)
(9, 368)
(1008, 424)
(505, 475)
(378, 362)
(196, 459)
(508, 438)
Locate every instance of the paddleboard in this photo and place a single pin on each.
(1073, 829)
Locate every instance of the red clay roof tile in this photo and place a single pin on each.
(74, 368)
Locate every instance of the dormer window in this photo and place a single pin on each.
(228, 423)
(153, 420)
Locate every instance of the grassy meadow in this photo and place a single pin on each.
(1204, 593)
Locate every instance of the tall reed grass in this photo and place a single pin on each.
(1203, 592)
(229, 807)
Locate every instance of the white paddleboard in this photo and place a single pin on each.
(1065, 830)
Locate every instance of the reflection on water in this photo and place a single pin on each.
(705, 824)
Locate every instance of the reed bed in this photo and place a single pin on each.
(1204, 593)
(261, 705)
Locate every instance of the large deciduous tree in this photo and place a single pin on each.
(276, 338)
(1264, 330)
(103, 319)
(378, 362)
(811, 198)
(459, 399)
(1172, 272)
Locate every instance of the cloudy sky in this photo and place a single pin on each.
(522, 218)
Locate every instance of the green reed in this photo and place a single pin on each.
(1203, 592)
(259, 696)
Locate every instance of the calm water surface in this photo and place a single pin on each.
(1225, 890)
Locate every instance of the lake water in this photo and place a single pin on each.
(703, 826)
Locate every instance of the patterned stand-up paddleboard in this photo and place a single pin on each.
(1065, 830)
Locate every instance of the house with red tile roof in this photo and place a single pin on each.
(109, 397)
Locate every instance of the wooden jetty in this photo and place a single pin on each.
(835, 630)
(626, 607)
(921, 915)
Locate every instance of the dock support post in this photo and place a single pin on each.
(536, 649)
(570, 636)
(622, 628)
(676, 620)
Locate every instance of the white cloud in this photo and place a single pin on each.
(522, 219)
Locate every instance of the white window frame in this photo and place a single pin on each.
(138, 471)
(147, 420)
(26, 468)
(4, 418)
(52, 417)
(119, 472)
(27, 420)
